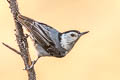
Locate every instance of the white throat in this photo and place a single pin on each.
(66, 42)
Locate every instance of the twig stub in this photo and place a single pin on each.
(11, 48)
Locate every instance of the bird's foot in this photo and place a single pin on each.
(31, 66)
(26, 36)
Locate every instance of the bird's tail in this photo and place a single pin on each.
(25, 21)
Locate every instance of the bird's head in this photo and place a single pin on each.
(69, 38)
(73, 35)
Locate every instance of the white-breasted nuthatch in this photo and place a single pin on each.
(47, 40)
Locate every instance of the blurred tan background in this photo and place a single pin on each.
(96, 56)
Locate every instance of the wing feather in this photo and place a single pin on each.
(38, 30)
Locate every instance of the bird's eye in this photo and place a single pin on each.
(73, 35)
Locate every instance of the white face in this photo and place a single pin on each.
(71, 36)
(68, 39)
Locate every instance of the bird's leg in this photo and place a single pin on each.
(26, 36)
(33, 63)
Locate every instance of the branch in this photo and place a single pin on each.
(11, 48)
(21, 41)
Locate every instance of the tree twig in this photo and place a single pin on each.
(22, 41)
(12, 48)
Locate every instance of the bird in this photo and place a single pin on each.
(47, 40)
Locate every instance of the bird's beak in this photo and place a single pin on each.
(82, 33)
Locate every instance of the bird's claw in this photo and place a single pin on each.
(26, 36)
(31, 66)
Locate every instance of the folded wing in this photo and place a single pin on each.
(37, 30)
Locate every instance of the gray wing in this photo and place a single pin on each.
(43, 34)
(51, 38)
(39, 31)
(54, 36)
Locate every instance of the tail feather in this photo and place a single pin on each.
(25, 21)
